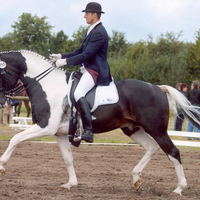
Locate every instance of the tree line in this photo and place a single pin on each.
(166, 60)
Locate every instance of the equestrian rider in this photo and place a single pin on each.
(92, 55)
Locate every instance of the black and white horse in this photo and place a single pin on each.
(142, 113)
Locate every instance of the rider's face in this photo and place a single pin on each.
(90, 18)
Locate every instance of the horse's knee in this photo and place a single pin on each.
(15, 140)
(68, 160)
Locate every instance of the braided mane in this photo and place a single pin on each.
(28, 52)
(32, 53)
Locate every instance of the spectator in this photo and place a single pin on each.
(180, 117)
(8, 112)
(194, 98)
(15, 103)
(178, 86)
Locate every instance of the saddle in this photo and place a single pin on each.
(97, 96)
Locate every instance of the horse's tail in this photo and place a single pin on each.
(178, 101)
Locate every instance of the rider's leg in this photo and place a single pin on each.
(86, 83)
(86, 119)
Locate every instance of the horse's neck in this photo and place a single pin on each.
(35, 64)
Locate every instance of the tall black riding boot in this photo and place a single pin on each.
(86, 119)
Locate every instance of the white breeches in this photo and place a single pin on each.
(85, 84)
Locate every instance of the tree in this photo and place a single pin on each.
(33, 33)
(117, 44)
(7, 43)
(78, 37)
(160, 62)
(193, 59)
(168, 55)
(57, 42)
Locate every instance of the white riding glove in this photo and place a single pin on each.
(54, 57)
(61, 62)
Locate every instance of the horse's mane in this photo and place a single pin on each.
(32, 53)
(28, 52)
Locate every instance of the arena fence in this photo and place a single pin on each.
(186, 142)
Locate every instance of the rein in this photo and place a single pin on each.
(23, 87)
(17, 90)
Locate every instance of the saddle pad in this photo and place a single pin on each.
(105, 95)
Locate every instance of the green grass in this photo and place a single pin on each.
(5, 137)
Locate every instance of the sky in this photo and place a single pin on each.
(136, 18)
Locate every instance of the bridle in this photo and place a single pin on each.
(6, 86)
(4, 78)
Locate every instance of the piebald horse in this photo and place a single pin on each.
(142, 112)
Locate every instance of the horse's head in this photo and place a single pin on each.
(12, 66)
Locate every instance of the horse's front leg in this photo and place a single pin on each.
(66, 152)
(31, 133)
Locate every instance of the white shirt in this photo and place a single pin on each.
(91, 27)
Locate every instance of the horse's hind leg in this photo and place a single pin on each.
(173, 153)
(151, 147)
(64, 145)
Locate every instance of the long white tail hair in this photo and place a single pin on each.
(178, 101)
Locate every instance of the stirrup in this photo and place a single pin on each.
(77, 135)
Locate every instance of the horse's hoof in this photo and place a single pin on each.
(175, 194)
(2, 171)
(63, 189)
(67, 186)
(138, 184)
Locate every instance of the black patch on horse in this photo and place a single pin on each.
(40, 106)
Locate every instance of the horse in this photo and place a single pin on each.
(142, 112)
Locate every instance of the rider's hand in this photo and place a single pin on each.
(61, 62)
(54, 57)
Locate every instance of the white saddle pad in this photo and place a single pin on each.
(105, 95)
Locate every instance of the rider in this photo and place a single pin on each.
(92, 54)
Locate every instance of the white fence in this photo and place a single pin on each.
(185, 134)
(21, 123)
